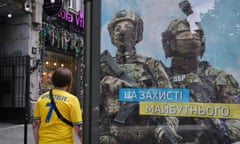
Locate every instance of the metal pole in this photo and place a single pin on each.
(92, 45)
(86, 98)
(27, 91)
(26, 116)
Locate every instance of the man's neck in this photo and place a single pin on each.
(62, 88)
(184, 65)
(123, 56)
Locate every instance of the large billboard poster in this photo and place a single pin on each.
(170, 72)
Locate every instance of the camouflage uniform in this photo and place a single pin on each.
(146, 72)
(206, 83)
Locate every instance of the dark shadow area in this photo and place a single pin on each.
(12, 115)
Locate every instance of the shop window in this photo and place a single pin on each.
(52, 61)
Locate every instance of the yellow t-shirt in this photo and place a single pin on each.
(53, 130)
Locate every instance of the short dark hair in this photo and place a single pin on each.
(62, 77)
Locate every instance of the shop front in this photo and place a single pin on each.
(62, 45)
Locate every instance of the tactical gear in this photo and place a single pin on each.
(201, 90)
(174, 45)
(128, 69)
(227, 91)
(121, 120)
(226, 87)
(208, 84)
(124, 34)
(187, 48)
(180, 65)
(108, 59)
(109, 86)
(126, 15)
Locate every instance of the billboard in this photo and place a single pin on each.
(169, 71)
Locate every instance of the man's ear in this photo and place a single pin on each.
(69, 86)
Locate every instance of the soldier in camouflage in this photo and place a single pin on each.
(185, 46)
(125, 29)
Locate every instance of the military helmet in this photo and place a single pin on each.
(127, 15)
(174, 28)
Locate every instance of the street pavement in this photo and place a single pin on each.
(11, 133)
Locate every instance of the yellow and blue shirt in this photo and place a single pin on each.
(53, 130)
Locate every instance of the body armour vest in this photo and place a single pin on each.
(201, 90)
(201, 87)
(135, 129)
(140, 72)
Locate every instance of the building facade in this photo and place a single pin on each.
(32, 45)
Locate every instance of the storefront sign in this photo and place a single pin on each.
(77, 20)
(52, 8)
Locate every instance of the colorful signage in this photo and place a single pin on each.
(204, 110)
(77, 20)
(154, 94)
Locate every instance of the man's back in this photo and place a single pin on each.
(52, 129)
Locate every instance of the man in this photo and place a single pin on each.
(185, 46)
(48, 128)
(120, 122)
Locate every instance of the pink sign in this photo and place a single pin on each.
(77, 20)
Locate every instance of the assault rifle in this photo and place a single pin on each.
(215, 127)
(118, 72)
(130, 107)
(107, 58)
